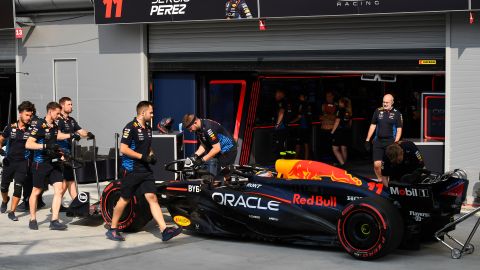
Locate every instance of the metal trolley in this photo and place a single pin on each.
(461, 248)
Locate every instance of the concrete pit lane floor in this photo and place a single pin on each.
(84, 246)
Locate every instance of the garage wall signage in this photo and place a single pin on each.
(6, 14)
(137, 11)
(272, 8)
(145, 11)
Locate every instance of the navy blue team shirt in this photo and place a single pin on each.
(139, 139)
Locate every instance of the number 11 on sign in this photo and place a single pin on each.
(109, 7)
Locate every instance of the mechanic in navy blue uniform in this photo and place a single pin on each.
(401, 158)
(283, 114)
(215, 141)
(303, 136)
(15, 163)
(137, 156)
(387, 125)
(67, 124)
(47, 164)
(341, 131)
(28, 186)
(237, 9)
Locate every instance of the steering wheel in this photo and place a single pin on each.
(182, 165)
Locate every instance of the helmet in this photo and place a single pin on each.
(165, 125)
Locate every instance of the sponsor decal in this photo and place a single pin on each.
(212, 135)
(353, 198)
(193, 188)
(82, 197)
(273, 219)
(410, 192)
(254, 217)
(182, 221)
(455, 190)
(126, 133)
(312, 170)
(427, 62)
(419, 216)
(358, 3)
(253, 185)
(315, 200)
(249, 202)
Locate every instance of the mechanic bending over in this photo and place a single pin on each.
(400, 159)
(387, 124)
(215, 142)
(67, 124)
(15, 163)
(46, 166)
(137, 155)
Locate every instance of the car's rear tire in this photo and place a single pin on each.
(135, 216)
(370, 228)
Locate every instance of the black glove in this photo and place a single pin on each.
(51, 146)
(6, 162)
(150, 159)
(52, 150)
(2, 152)
(197, 161)
(90, 136)
(75, 136)
(153, 159)
(367, 146)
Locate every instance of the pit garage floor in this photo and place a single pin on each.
(83, 246)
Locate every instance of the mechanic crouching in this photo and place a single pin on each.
(137, 155)
(215, 142)
(400, 159)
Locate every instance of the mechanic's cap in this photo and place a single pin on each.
(188, 120)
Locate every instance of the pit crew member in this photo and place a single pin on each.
(15, 163)
(387, 124)
(135, 147)
(215, 141)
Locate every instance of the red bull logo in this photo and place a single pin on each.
(313, 170)
(315, 200)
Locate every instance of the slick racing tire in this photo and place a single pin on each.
(135, 216)
(370, 228)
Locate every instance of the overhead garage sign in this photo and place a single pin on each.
(138, 11)
(6, 14)
(270, 8)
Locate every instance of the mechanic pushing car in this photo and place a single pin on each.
(46, 164)
(237, 9)
(400, 159)
(137, 155)
(387, 124)
(215, 142)
(15, 163)
(68, 124)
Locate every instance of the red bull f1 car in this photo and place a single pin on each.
(303, 202)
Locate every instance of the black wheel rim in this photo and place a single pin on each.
(362, 230)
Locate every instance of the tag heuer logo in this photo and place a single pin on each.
(358, 3)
